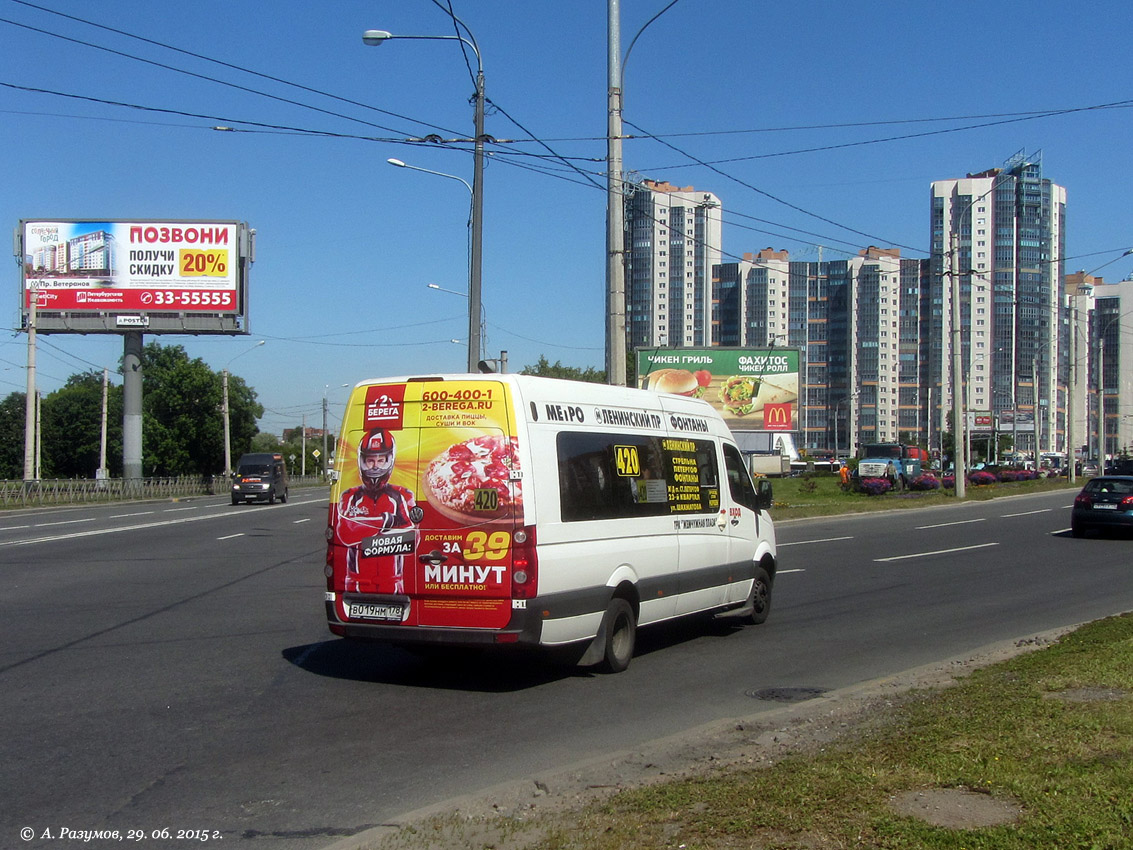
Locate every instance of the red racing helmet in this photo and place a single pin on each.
(376, 455)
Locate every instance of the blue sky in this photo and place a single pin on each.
(816, 123)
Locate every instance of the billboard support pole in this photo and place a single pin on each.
(30, 408)
(132, 405)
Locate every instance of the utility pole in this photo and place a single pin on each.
(958, 467)
(227, 426)
(615, 206)
(325, 433)
(1071, 390)
(30, 431)
(102, 472)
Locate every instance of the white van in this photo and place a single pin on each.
(510, 509)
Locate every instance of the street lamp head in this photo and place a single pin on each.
(373, 38)
(396, 162)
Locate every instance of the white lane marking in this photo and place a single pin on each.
(63, 522)
(126, 516)
(823, 540)
(143, 525)
(1027, 513)
(175, 510)
(308, 519)
(231, 536)
(795, 570)
(14, 527)
(946, 524)
(937, 552)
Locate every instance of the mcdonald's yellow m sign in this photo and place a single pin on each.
(777, 417)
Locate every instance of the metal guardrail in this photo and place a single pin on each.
(85, 490)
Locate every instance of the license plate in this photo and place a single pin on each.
(1105, 507)
(393, 613)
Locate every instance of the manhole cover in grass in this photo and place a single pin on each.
(786, 694)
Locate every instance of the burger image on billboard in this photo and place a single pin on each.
(676, 381)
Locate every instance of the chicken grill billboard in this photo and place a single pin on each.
(755, 389)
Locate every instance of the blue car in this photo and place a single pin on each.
(1106, 502)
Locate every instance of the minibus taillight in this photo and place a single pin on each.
(524, 564)
(328, 570)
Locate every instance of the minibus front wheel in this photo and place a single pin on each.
(759, 600)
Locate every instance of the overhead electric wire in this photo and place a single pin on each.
(770, 196)
(1123, 104)
(555, 155)
(456, 25)
(223, 64)
(839, 126)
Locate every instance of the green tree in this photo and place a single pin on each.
(293, 445)
(12, 417)
(183, 421)
(546, 369)
(71, 428)
(264, 442)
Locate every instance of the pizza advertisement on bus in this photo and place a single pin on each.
(430, 506)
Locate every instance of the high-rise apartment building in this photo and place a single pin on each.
(673, 240)
(1001, 235)
(1100, 348)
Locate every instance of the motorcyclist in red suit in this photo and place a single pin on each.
(373, 507)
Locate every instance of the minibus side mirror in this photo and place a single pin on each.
(763, 498)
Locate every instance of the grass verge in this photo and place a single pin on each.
(821, 494)
(1045, 737)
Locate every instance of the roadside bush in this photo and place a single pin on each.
(875, 486)
(1018, 475)
(926, 481)
(981, 478)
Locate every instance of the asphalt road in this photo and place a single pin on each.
(166, 666)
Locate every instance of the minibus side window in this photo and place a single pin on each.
(739, 481)
(602, 476)
(611, 476)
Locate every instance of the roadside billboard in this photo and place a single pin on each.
(1017, 421)
(113, 276)
(754, 389)
(980, 422)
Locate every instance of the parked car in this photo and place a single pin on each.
(1120, 466)
(1105, 503)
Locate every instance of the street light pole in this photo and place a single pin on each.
(377, 37)
(475, 328)
(615, 193)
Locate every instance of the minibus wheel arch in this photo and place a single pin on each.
(613, 646)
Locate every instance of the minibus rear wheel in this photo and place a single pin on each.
(620, 630)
